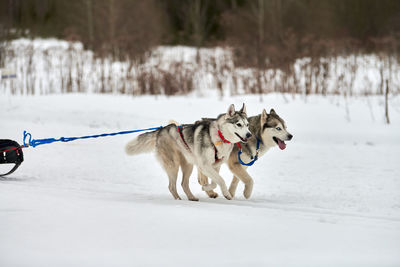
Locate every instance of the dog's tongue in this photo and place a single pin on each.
(281, 144)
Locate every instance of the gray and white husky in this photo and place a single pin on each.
(269, 130)
(206, 144)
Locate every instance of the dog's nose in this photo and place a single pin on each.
(248, 135)
(290, 136)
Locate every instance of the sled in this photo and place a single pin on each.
(10, 153)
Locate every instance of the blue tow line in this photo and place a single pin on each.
(37, 142)
(255, 157)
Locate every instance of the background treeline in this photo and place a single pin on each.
(296, 46)
(257, 28)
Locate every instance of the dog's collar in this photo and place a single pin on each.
(222, 137)
(254, 159)
(226, 141)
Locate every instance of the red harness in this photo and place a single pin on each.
(225, 141)
(181, 135)
(215, 148)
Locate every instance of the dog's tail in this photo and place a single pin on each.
(144, 143)
(173, 122)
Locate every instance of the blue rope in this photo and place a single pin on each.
(255, 157)
(38, 142)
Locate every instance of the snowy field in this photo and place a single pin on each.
(332, 198)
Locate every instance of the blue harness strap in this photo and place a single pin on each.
(38, 142)
(255, 157)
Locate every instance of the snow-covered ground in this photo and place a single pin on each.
(332, 198)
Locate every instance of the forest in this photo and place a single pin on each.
(287, 41)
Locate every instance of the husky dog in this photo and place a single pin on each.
(206, 144)
(269, 130)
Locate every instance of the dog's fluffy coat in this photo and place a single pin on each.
(271, 130)
(204, 146)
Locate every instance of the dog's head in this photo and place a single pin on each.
(234, 125)
(274, 127)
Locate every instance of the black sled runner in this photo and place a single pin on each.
(10, 153)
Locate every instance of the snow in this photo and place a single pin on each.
(330, 199)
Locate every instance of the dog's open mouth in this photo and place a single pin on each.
(244, 140)
(280, 143)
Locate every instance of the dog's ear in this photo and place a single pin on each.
(243, 109)
(272, 111)
(264, 116)
(231, 111)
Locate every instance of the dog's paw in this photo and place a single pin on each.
(193, 199)
(176, 197)
(228, 196)
(232, 192)
(212, 194)
(247, 191)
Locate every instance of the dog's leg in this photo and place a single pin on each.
(187, 169)
(212, 185)
(170, 163)
(203, 180)
(209, 187)
(173, 175)
(216, 178)
(242, 174)
(233, 186)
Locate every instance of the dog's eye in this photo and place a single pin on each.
(239, 124)
(278, 128)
